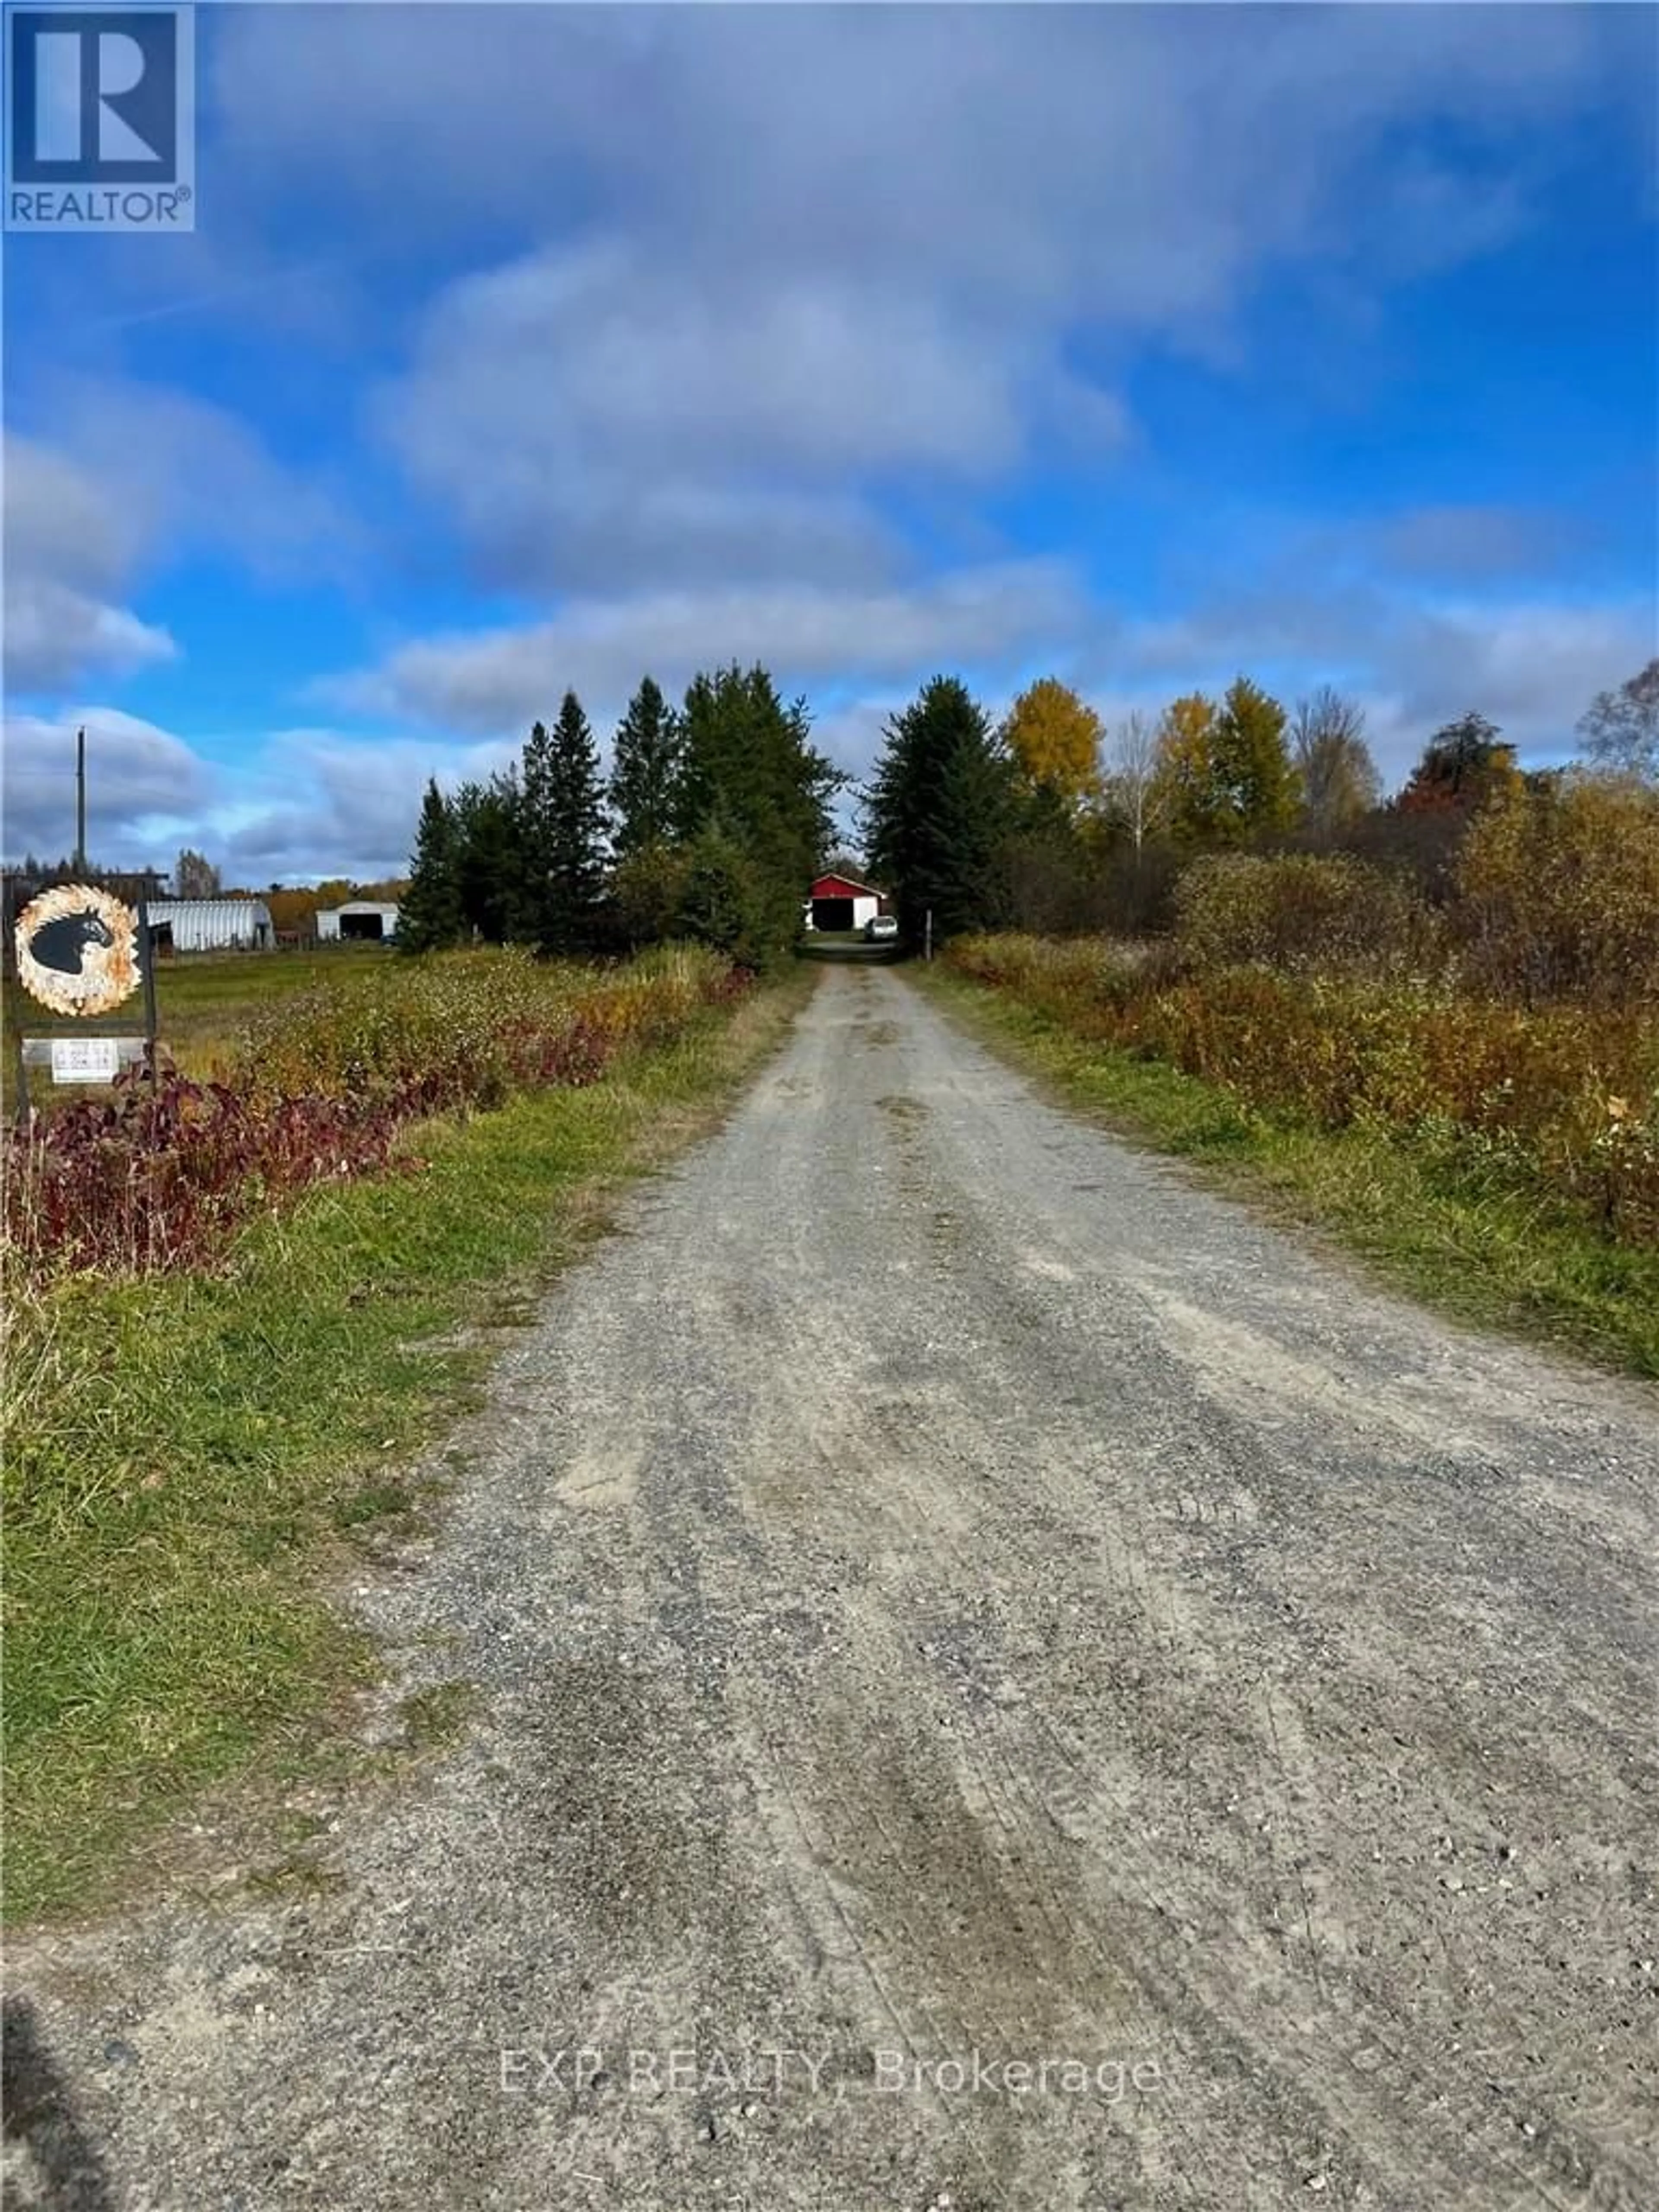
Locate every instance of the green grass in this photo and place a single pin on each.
(190, 1459)
(1425, 1221)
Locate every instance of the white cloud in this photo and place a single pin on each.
(58, 519)
(70, 549)
(1136, 161)
(318, 803)
(188, 476)
(296, 806)
(500, 680)
(1533, 666)
(858, 241)
(55, 635)
(134, 477)
(1417, 661)
(1470, 543)
(141, 781)
(761, 302)
(593, 416)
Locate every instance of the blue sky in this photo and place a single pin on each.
(523, 348)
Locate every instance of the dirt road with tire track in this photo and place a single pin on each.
(1001, 1681)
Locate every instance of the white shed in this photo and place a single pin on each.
(212, 925)
(372, 921)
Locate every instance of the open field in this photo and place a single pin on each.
(203, 1002)
(192, 1453)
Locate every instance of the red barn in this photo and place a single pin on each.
(837, 902)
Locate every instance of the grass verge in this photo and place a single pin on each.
(1425, 1221)
(191, 1456)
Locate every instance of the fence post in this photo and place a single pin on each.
(147, 954)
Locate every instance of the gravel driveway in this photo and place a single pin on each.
(1002, 1681)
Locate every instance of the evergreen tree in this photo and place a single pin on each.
(749, 771)
(939, 812)
(429, 916)
(490, 857)
(1051, 855)
(647, 895)
(645, 772)
(723, 901)
(535, 833)
(562, 817)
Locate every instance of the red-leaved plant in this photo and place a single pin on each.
(162, 1173)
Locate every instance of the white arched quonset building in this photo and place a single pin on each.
(359, 921)
(210, 925)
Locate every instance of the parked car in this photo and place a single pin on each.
(881, 928)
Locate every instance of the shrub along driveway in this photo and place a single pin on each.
(941, 1593)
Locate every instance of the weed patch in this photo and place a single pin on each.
(1470, 1226)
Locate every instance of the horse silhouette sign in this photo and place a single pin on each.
(77, 950)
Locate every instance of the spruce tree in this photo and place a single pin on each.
(563, 816)
(723, 901)
(939, 812)
(645, 772)
(429, 913)
(749, 770)
(490, 857)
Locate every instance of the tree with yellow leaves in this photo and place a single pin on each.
(1224, 773)
(1054, 740)
(1183, 773)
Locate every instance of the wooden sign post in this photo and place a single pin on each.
(81, 952)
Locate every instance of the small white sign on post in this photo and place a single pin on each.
(85, 1059)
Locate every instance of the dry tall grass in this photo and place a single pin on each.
(1518, 1026)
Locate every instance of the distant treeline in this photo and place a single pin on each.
(718, 811)
(1051, 823)
(293, 912)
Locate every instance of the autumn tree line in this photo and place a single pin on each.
(1467, 972)
(1051, 822)
(718, 809)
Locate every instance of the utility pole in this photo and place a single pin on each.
(81, 802)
